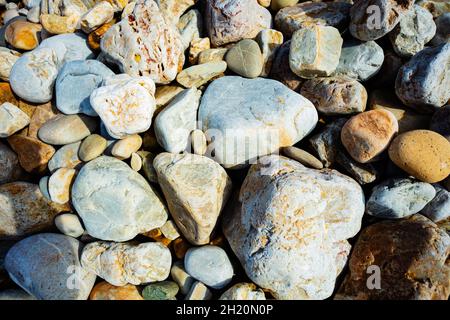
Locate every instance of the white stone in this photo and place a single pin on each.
(12, 119)
(69, 224)
(100, 14)
(59, 185)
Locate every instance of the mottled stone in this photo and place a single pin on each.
(92, 147)
(69, 224)
(198, 75)
(56, 24)
(23, 35)
(123, 263)
(164, 290)
(47, 266)
(101, 13)
(106, 291)
(33, 154)
(243, 291)
(65, 129)
(196, 189)
(96, 36)
(7, 59)
(196, 46)
(436, 7)
(66, 157)
(115, 202)
(12, 119)
(41, 114)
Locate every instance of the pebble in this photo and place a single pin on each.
(199, 292)
(309, 256)
(105, 291)
(269, 41)
(96, 36)
(86, 76)
(399, 198)
(243, 291)
(92, 147)
(56, 24)
(123, 263)
(66, 157)
(245, 59)
(281, 70)
(107, 192)
(423, 82)
(368, 134)
(12, 119)
(69, 47)
(190, 27)
(147, 166)
(196, 46)
(23, 35)
(122, 149)
(144, 44)
(43, 187)
(66, 129)
(415, 29)
(59, 185)
(6, 94)
(40, 265)
(371, 20)
(438, 209)
(302, 156)
(136, 162)
(170, 230)
(198, 75)
(241, 113)
(199, 144)
(279, 4)
(315, 51)
(440, 122)
(101, 13)
(174, 124)
(423, 154)
(363, 173)
(69, 224)
(293, 18)
(442, 29)
(181, 277)
(401, 248)
(210, 265)
(164, 290)
(335, 95)
(7, 59)
(231, 21)
(212, 55)
(24, 210)
(196, 189)
(360, 60)
(125, 107)
(33, 154)
(9, 162)
(165, 94)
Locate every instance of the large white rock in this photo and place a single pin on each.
(247, 118)
(144, 44)
(125, 105)
(196, 189)
(175, 123)
(115, 202)
(123, 263)
(290, 224)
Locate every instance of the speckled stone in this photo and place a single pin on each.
(164, 290)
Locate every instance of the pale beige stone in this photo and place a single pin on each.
(122, 149)
(269, 41)
(170, 230)
(199, 292)
(56, 24)
(59, 185)
(12, 119)
(100, 14)
(7, 59)
(198, 75)
(197, 46)
(212, 55)
(199, 144)
(181, 277)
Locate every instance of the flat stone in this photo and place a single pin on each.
(101, 13)
(69, 224)
(368, 134)
(269, 41)
(198, 75)
(122, 149)
(233, 20)
(66, 129)
(92, 147)
(125, 107)
(59, 185)
(33, 154)
(400, 248)
(423, 82)
(164, 290)
(9, 162)
(24, 210)
(247, 118)
(298, 227)
(106, 291)
(399, 198)
(7, 59)
(181, 277)
(86, 76)
(281, 70)
(115, 202)
(212, 55)
(47, 266)
(23, 35)
(66, 157)
(196, 190)
(423, 154)
(243, 291)
(315, 51)
(440, 122)
(144, 44)
(174, 124)
(360, 60)
(371, 20)
(210, 265)
(303, 157)
(12, 119)
(123, 263)
(335, 95)
(413, 32)
(438, 209)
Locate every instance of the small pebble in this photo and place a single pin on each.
(66, 157)
(92, 147)
(243, 291)
(12, 119)
(23, 35)
(65, 129)
(136, 162)
(123, 148)
(59, 185)
(199, 144)
(438, 209)
(198, 75)
(303, 157)
(105, 291)
(199, 292)
(69, 224)
(181, 277)
(170, 230)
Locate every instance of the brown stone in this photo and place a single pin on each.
(6, 94)
(40, 116)
(281, 70)
(33, 154)
(106, 291)
(95, 36)
(412, 255)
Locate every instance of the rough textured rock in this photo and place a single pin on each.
(281, 70)
(7, 59)
(399, 198)
(244, 113)
(413, 32)
(106, 291)
(33, 154)
(423, 154)
(423, 82)
(243, 291)
(233, 20)
(12, 119)
(66, 157)
(438, 209)
(24, 210)
(245, 59)
(296, 221)
(9, 162)
(65, 129)
(269, 41)
(174, 124)
(371, 20)
(335, 95)
(368, 134)
(198, 75)
(47, 266)
(212, 55)
(196, 189)
(190, 27)
(114, 202)
(173, 9)
(125, 104)
(412, 255)
(144, 44)
(315, 51)
(123, 263)
(292, 18)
